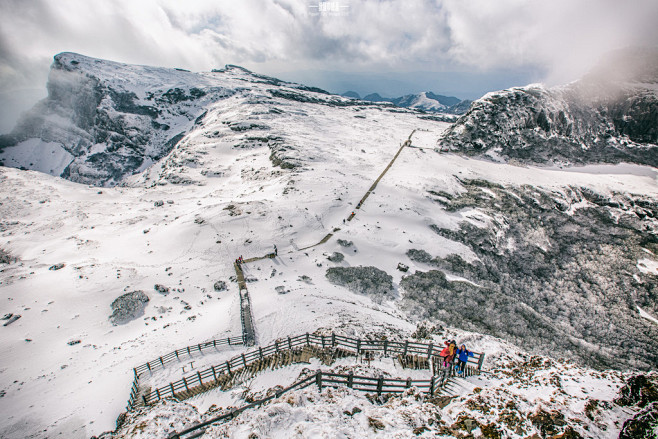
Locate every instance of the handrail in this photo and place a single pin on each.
(327, 379)
(209, 375)
(160, 362)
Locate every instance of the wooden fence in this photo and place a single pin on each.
(177, 355)
(218, 374)
(322, 379)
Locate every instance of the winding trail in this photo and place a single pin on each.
(246, 316)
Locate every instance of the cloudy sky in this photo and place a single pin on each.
(458, 47)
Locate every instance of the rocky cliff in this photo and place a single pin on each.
(609, 116)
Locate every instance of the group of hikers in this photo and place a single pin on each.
(454, 356)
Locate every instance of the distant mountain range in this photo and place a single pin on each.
(426, 101)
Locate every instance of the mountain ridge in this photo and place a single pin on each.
(604, 117)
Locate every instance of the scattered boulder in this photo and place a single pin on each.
(161, 289)
(5, 257)
(281, 289)
(128, 307)
(344, 243)
(159, 203)
(369, 281)
(11, 319)
(403, 268)
(336, 257)
(547, 422)
(220, 285)
(57, 266)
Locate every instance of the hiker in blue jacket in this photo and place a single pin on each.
(462, 358)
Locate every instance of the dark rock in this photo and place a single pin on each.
(639, 390)
(643, 425)
(158, 203)
(57, 266)
(548, 422)
(336, 257)
(220, 285)
(5, 257)
(161, 289)
(344, 243)
(128, 307)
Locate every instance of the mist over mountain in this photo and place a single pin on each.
(609, 116)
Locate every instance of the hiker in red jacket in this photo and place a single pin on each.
(448, 353)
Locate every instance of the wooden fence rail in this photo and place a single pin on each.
(378, 385)
(177, 355)
(255, 359)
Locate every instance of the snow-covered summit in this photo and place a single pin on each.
(103, 120)
(609, 116)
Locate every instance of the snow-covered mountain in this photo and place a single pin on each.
(103, 121)
(550, 272)
(426, 101)
(609, 116)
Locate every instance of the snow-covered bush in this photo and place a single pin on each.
(369, 281)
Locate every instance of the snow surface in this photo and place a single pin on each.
(117, 240)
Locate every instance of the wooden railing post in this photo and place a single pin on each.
(408, 383)
(385, 347)
(406, 347)
(322, 342)
(480, 361)
(244, 360)
(228, 368)
(429, 351)
(350, 379)
(171, 386)
(358, 346)
(432, 386)
(333, 339)
(289, 343)
(308, 342)
(380, 385)
(318, 380)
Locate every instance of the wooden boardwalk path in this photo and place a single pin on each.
(374, 185)
(246, 317)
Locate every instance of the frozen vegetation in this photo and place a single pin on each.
(369, 281)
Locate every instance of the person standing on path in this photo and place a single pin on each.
(276, 252)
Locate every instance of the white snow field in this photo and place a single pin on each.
(118, 240)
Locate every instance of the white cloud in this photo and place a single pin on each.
(562, 37)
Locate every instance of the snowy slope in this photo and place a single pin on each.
(274, 164)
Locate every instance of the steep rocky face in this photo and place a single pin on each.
(601, 118)
(109, 119)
